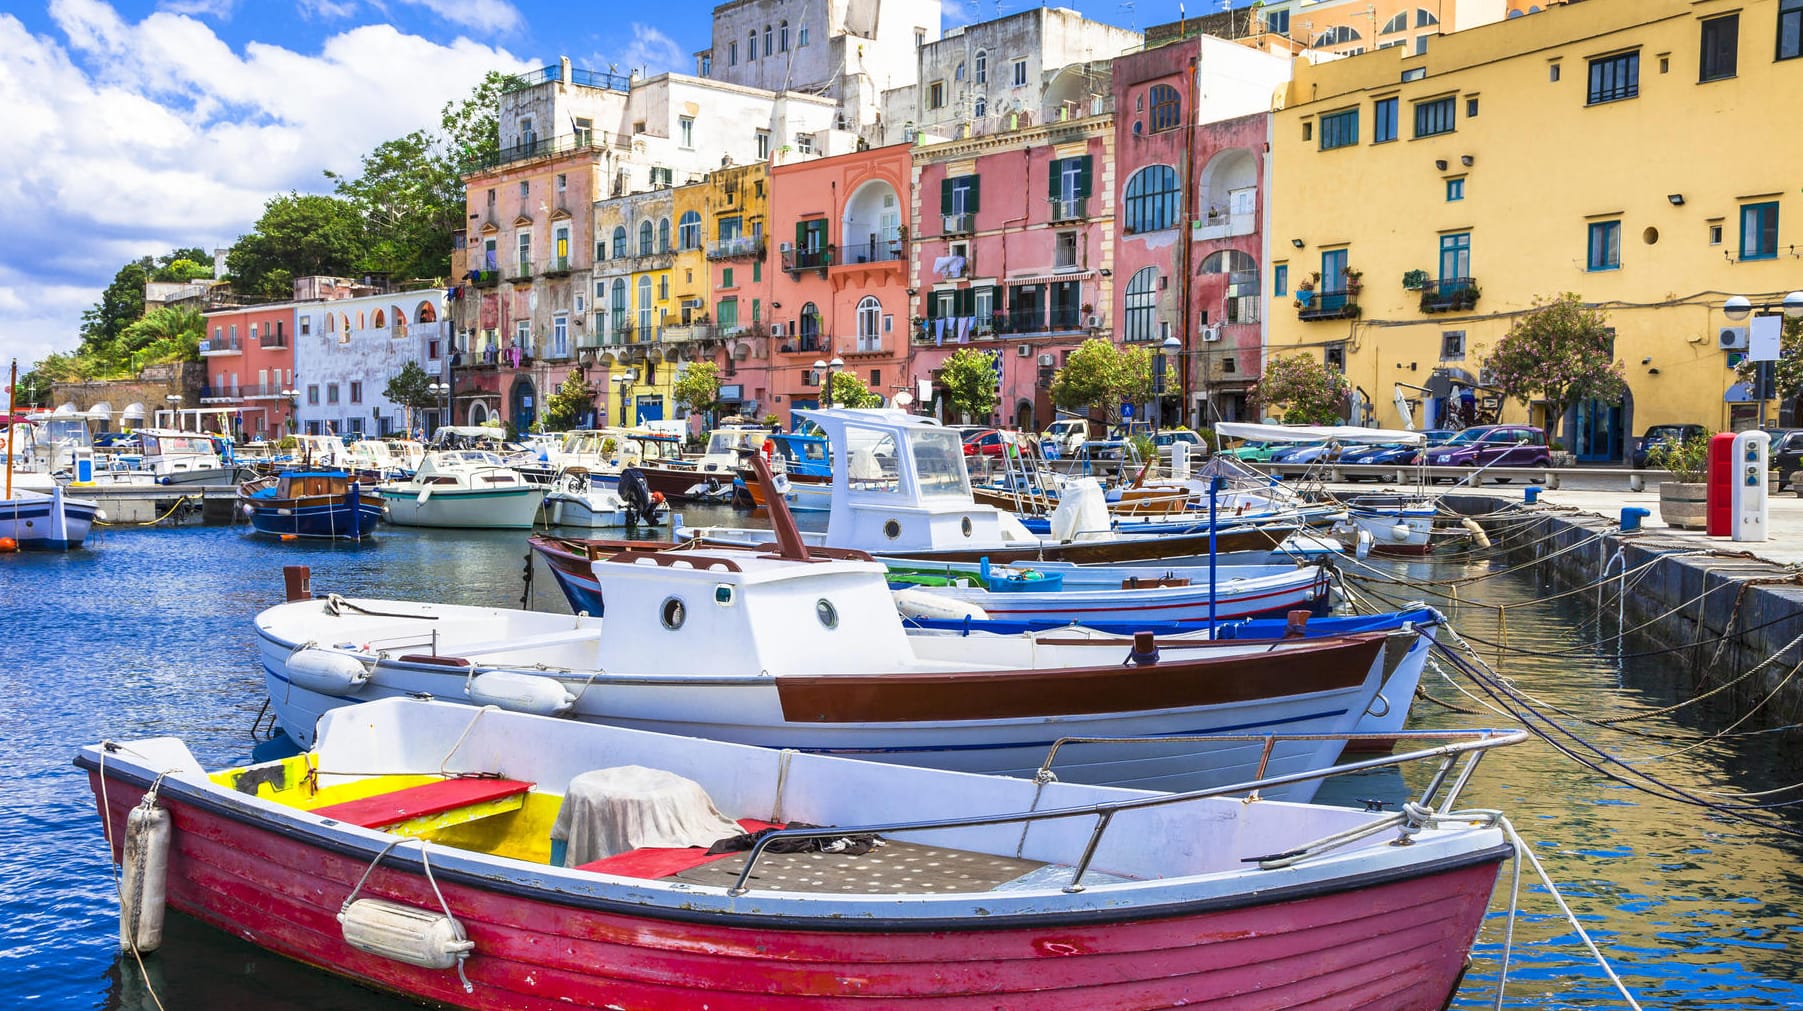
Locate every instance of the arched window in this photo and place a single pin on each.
(1142, 306)
(751, 44)
(782, 37)
(1151, 200)
(1167, 108)
(1399, 23)
(768, 48)
(810, 320)
(619, 242)
(663, 235)
(981, 109)
(1227, 261)
(331, 322)
(645, 307)
(870, 323)
(1337, 35)
(982, 66)
(958, 73)
(619, 304)
(647, 238)
(1425, 18)
(688, 230)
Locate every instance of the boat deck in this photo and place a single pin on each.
(893, 868)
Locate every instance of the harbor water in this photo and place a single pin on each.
(149, 632)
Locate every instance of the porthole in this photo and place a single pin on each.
(965, 526)
(826, 612)
(891, 529)
(1650, 236)
(672, 613)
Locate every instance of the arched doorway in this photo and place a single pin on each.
(524, 401)
(1023, 416)
(1597, 431)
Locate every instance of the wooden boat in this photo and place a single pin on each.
(804, 650)
(467, 489)
(314, 503)
(711, 477)
(35, 511)
(416, 849)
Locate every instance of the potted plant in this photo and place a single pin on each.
(1308, 283)
(1353, 282)
(1683, 500)
(1414, 280)
(1560, 456)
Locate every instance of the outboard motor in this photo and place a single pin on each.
(642, 504)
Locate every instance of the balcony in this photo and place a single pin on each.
(879, 251)
(737, 247)
(1070, 208)
(688, 333)
(960, 224)
(261, 391)
(805, 344)
(1327, 304)
(485, 278)
(1039, 321)
(554, 74)
(220, 346)
(797, 260)
(1449, 294)
(219, 394)
(557, 266)
(520, 273)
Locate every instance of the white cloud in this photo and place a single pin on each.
(127, 139)
(221, 9)
(482, 15)
(654, 51)
(327, 10)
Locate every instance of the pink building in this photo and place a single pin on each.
(1015, 255)
(1191, 157)
(839, 279)
(249, 357)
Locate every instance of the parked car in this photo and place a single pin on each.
(1439, 436)
(1498, 445)
(1659, 434)
(1164, 440)
(1252, 452)
(1786, 453)
(1063, 436)
(1388, 452)
(983, 442)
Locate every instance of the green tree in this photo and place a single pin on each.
(1787, 371)
(698, 387)
(190, 263)
(1309, 392)
(32, 390)
(1099, 374)
(569, 405)
(165, 334)
(850, 391)
(299, 235)
(120, 305)
(1560, 352)
(410, 199)
(471, 127)
(412, 388)
(969, 378)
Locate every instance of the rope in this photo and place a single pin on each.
(180, 503)
(1523, 850)
(106, 823)
(335, 605)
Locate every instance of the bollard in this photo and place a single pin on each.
(1637, 482)
(1530, 494)
(1631, 517)
(297, 580)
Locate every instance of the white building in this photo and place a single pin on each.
(349, 341)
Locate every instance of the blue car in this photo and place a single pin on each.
(1382, 453)
(1302, 454)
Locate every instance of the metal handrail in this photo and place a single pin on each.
(1475, 743)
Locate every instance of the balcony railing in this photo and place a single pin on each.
(804, 344)
(691, 332)
(960, 224)
(554, 74)
(880, 251)
(807, 259)
(1327, 304)
(738, 246)
(518, 272)
(1449, 294)
(485, 278)
(1070, 208)
(557, 266)
(261, 391)
(222, 346)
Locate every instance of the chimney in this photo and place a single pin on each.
(563, 70)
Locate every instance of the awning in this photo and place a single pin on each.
(1073, 275)
(133, 412)
(66, 409)
(1740, 393)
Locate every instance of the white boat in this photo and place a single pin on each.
(53, 520)
(578, 498)
(493, 860)
(795, 650)
(463, 488)
(384, 459)
(166, 457)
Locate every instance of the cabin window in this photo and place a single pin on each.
(672, 613)
(826, 612)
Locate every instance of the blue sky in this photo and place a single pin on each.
(133, 126)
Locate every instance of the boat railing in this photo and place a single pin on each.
(1457, 760)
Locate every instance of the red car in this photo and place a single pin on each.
(987, 442)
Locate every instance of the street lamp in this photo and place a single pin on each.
(443, 389)
(625, 379)
(293, 399)
(1739, 307)
(175, 418)
(826, 384)
(1169, 347)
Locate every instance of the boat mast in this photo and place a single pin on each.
(12, 406)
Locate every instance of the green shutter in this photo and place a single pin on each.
(1083, 176)
(970, 199)
(1056, 166)
(801, 236)
(945, 195)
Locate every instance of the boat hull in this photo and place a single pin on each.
(1395, 939)
(484, 509)
(52, 522)
(316, 518)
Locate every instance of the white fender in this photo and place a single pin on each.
(1364, 544)
(1478, 536)
(926, 604)
(322, 670)
(405, 934)
(424, 494)
(1400, 532)
(146, 867)
(521, 693)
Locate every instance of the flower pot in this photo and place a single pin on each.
(1564, 458)
(1684, 504)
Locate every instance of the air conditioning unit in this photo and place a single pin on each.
(776, 329)
(1094, 320)
(1732, 338)
(787, 247)
(1024, 350)
(1211, 333)
(1046, 361)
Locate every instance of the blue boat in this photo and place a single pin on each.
(326, 504)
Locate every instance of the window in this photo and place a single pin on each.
(1280, 279)
(726, 278)
(585, 131)
(1070, 179)
(619, 305)
(1721, 44)
(313, 395)
(647, 238)
(936, 95)
(1150, 203)
(707, 66)
(356, 392)
(1435, 116)
(1455, 256)
(1020, 73)
(1167, 108)
(562, 182)
(1790, 29)
(560, 336)
(1399, 23)
(1455, 189)
(663, 287)
(1277, 22)
(1759, 231)
(522, 335)
(1605, 246)
(1333, 271)
(525, 251)
(1471, 108)
(1414, 74)
(1339, 129)
(920, 37)
(1715, 234)
(782, 37)
(804, 143)
(958, 195)
(1142, 306)
(1383, 120)
(1552, 73)
(1613, 78)
(757, 309)
(763, 137)
(958, 74)
(331, 393)
(1308, 129)
(732, 54)
(645, 307)
(870, 322)
(528, 136)
(981, 108)
(982, 66)
(1334, 358)
(751, 45)
(619, 242)
(685, 131)
(1065, 254)
(525, 191)
(1425, 18)
(757, 271)
(663, 235)
(688, 230)
(1452, 345)
(306, 325)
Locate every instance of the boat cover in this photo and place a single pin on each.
(610, 811)
(1317, 433)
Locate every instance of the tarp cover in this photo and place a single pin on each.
(610, 811)
(1316, 433)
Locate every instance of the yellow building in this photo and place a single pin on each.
(1350, 27)
(1636, 153)
(735, 220)
(633, 290)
